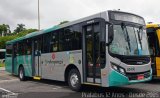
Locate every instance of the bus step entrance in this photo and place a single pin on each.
(37, 77)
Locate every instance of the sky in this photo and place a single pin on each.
(52, 12)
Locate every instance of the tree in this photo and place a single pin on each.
(20, 28)
(4, 29)
(4, 39)
(63, 22)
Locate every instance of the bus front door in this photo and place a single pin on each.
(91, 53)
(37, 55)
(14, 59)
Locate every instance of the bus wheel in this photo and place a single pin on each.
(21, 74)
(74, 80)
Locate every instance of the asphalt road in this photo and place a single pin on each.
(11, 87)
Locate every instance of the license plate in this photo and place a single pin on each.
(140, 77)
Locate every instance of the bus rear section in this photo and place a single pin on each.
(153, 32)
(106, 49)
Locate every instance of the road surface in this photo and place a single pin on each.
(11, 87)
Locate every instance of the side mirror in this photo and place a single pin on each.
(110, 34)
(37, 53)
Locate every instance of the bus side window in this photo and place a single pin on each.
(45, 47)
(77, 38)
(20, 47)
(61, 44)
(29, 47)
(9, 50)
(54, 42)
(68, 36)
(153, 42)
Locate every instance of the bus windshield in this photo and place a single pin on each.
(129, 41)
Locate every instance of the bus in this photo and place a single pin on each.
(2, 55)
(107, 49)
(153, 33)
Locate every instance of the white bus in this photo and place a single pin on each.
(106, 49)
(2, 55)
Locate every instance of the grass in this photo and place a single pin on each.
(1, 64)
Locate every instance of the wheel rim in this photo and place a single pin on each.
(74, 80)
(21, 74)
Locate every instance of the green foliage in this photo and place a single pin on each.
(1, 64)
(20, 28)
(4, 39)
(63, 22)
(4, 28)
(26, 31)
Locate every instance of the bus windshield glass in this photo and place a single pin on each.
(129, 40)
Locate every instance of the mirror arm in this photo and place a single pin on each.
(109, 42)
(107, 22)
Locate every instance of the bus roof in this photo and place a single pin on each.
(33, 34)
(99, 15)
(152, 25)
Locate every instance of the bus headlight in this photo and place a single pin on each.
(121, 70)
(114, 67)
(118, 68)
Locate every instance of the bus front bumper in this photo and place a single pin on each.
(117, 79)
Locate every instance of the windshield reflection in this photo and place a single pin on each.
(129, 41)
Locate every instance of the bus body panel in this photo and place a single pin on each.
(116, 78)
(158, 66)
(54, 64)
(26, 62)
(158, 58)
(8, 64)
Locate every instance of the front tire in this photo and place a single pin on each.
(21, 74)
(74, 80)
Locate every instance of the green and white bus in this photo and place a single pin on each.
(106, 49)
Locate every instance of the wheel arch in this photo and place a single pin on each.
(21, 65)
(68, 68)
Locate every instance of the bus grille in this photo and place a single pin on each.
(136, 61)
(133, 76)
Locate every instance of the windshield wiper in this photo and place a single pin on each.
(125, 32)
(140, 36)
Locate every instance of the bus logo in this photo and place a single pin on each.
(139, 62)
(53, 56)
(131, 69)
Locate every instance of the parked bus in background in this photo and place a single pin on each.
(153, 32)
(2, 55)
(106, 49)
